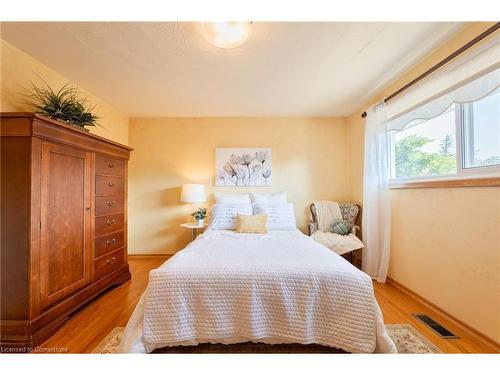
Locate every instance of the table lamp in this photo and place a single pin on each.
(193, 193)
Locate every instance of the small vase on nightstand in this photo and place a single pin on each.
(200, 222)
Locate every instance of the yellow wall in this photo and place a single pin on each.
(309, 161)
(445, 242)
(18, 69)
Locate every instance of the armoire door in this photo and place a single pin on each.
(65, 242)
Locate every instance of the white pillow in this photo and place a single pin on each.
(269, 198)
(280, 216)
(232, 198)
(223, 216)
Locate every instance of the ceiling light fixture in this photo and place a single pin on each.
(226, 34)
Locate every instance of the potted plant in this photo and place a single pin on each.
(65, 105)
(200, 214)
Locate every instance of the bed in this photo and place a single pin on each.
(280, 287)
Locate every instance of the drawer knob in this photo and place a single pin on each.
(111, 222)
(111, 164)
(111, 183)
(110, 203)
(111, 241)
(111, 260)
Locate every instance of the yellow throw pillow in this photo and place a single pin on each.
(251, 223)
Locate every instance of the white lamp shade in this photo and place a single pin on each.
(193, 193)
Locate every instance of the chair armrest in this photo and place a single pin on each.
(313, 227)
(354, 229)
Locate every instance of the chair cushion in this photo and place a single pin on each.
(337, 243)
(341, 227)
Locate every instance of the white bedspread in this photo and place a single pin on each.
(281, 287)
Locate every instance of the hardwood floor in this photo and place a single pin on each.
(397, 308)
(86, 328)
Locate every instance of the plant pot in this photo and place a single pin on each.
(81, 128)
(78, 127)
(200, 222)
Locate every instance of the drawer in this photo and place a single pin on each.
(108, 185)
(108, 205)
(109, 263)
(108, 165)
(108, 243)
(107, 224)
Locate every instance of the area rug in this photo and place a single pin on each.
(407, 339)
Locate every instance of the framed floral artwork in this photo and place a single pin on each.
(243, 167)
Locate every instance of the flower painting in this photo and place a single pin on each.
(243, 167)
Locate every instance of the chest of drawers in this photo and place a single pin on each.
(64, 223)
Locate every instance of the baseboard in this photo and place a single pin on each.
(438, 311)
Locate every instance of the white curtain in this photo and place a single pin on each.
(466, 79)
(376, 203)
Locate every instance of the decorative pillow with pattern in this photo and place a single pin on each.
(280, 216)
(223, 215)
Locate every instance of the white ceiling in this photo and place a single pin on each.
(285, 69)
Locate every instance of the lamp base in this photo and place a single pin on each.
(191, 219)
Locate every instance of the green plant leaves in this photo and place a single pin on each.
(200, 213)
(64, 105)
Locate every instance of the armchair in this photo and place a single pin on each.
(350, 212)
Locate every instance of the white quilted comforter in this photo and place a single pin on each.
(281, 287)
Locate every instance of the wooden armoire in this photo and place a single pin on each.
(63, 223)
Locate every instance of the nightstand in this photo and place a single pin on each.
(193, 228)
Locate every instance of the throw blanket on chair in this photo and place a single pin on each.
(327, 212)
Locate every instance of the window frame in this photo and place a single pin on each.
(471, 176)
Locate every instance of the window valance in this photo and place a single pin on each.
(469, 79)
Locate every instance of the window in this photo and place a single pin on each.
(481, 132)
(426, 148)
(464, 141)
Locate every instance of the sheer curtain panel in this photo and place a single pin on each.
(376, 203)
